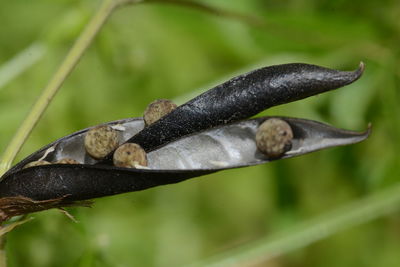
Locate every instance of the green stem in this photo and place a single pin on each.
(72, 58)
(358, 212)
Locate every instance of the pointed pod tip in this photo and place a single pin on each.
(361, 67)
(356, 74)
(369, 130)
(360, 70)
(365, 134)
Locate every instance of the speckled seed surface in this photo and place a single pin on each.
(273, 137)
(130, 155)
(36, 163)
(157, 109)
(66, 161)
(101, 141)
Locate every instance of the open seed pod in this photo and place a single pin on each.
(242, 97)
(205, 135)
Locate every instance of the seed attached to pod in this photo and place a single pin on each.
(66, 161)
(36, 163)
(100, 141)
(157, 109)
(130, 155)
(274, 137)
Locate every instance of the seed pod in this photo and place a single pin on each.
(66, 161)
(242, 97)
(36, 163)
(274, 137)
(130, 155)
(189, 157)
(157, 109)
(100, 141)
(185, 132)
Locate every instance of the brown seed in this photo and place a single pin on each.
(274, 137)
(100, 141)
(66, 161)
(157, 109)
(130, 155)
(36, 163)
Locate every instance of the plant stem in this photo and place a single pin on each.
(360, 211)
(72, 58)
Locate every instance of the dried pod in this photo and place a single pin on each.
(36, 163)
(130, 155)
(100, 141)
(157, 109)
(205, 135)
(242, 97)
(274, 137)
(224, 147)
(66, 161)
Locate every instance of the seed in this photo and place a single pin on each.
(66, 161)
(100, 141)
(130, 155)
(36, 163)
(274, 137)
(157, 109)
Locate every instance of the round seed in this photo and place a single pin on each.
(66, 161)
(100, 141)
(36, 163)
(157, 109)
(274, 137)
(130, 155)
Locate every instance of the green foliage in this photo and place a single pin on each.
(152, 51)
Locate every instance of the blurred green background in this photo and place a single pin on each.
(155, 51)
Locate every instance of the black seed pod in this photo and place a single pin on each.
(157, 109)
(205, 135)
(83, 181)
(243, 97)
(274, 137)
